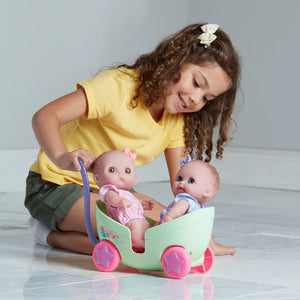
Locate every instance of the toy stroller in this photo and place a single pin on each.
(176, 247)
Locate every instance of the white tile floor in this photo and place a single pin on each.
(263, 225)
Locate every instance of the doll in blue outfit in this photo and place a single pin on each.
(196, 183)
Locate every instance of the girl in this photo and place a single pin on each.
(170, 100)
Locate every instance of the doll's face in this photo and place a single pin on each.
(117, 168)
(195, 179)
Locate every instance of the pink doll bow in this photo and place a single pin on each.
(186, 160)
(131, 154)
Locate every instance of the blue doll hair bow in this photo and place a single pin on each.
(186, 160)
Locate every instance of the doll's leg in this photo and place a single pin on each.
(138, 228)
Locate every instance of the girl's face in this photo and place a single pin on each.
(197, 86)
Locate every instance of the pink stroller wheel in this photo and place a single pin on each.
(106, 257)
(176, 262)
(208, 262)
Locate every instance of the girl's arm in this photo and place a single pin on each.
(46, 124)
(173, 157)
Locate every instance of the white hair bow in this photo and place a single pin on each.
(207, 37)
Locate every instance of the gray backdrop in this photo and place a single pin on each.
(48, 46)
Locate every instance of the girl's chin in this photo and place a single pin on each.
(172, 110)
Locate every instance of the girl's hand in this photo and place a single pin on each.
(69, 160)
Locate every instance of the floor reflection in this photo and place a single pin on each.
(192, 287)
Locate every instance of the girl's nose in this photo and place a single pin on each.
(195, 99)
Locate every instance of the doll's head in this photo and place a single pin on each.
(199, 179)
(115, 167)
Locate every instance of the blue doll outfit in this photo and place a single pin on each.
(193, 204)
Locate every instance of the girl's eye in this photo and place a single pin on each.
(127, 170)
(191, 180)
(196, 84)
(179, 178)
(111, 170)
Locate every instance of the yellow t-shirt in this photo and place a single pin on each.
(112, 124)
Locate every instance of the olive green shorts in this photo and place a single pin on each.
(49, 202)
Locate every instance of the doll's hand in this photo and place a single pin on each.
(147, 204)
(165, 219)
(69, 160)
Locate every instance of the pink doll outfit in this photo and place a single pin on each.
(193, 204)
(122, 214)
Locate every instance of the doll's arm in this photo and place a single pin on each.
(178, 210)
(113, 199)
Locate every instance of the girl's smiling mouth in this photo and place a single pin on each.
(181, 103)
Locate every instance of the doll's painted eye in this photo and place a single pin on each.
(127, 170)
(111, 170)
(191, 180)
(179, 178)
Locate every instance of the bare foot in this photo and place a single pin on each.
(221, 249)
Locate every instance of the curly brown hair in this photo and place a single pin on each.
(161, 68)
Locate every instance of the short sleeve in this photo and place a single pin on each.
(105, 92)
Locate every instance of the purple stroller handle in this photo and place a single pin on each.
(87, 201)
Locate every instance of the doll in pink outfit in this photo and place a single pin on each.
(114, 173)
(195, 184)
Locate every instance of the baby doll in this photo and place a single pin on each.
(114, 173)
(196, 183)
